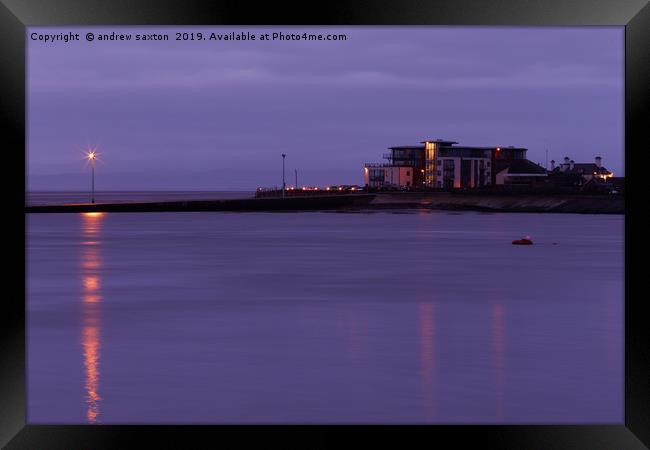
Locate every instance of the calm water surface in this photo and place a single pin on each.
(324, 317)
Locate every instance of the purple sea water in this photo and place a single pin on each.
(419, 317)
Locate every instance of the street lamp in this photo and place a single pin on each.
(283, 183)
(92, 155)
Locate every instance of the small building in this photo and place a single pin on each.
(617, 185)
(444, 164)
(384, 175)
(578, 174)
(520, 172)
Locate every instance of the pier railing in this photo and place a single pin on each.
(307, 191)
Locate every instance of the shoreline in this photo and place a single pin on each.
(445, 201)
(451, 201)
(234, 205)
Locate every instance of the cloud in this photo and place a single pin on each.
(334, 105)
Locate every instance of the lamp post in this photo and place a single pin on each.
(91, 157)
(283, 183)
(296, 171)
(546, 162)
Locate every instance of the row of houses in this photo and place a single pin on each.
(445, 164)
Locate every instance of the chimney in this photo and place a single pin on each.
(565, 166)
(599, 161)
(571, 164)
(552, 164)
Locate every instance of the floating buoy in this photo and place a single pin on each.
(523, 241)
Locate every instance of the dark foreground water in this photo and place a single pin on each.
(324, 317)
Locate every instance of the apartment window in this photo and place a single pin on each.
(376, 175)
(408, 173)
(439, 173)
(448, 177)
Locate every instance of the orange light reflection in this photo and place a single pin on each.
(91, 283)
(426, 313)
(91, 266)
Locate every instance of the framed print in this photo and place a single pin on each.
(388, 221)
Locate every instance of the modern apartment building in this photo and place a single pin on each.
(444, 164)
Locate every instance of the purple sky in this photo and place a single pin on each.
(215, 115)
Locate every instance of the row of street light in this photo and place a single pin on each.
(91, 156)
(284, 184)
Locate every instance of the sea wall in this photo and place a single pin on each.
(585, 204)
(243, 205)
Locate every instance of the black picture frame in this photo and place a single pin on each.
(16, 15)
